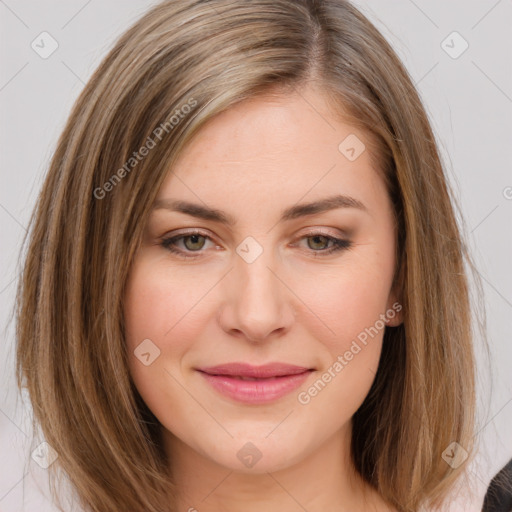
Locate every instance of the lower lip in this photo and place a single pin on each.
(255, 391)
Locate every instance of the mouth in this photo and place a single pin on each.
(255, 384)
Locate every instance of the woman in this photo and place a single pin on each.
(186, 343)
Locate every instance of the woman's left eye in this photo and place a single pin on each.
(338, 244)
(196, 242)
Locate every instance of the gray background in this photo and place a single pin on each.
(469, 101)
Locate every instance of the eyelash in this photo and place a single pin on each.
(339, 244)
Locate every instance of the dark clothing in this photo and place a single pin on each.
(499, 493)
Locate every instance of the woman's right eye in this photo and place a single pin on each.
(197, 242)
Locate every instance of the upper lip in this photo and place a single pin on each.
(247, 370)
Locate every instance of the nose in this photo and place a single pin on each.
(257, 303)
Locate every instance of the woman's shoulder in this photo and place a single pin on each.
(499, 493)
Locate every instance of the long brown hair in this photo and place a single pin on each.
(182, 63)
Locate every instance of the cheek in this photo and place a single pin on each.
(350, 301)
(350, 307)
(159, 305)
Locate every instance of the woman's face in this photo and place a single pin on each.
(255, 284)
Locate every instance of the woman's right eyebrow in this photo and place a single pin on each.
(293, 212)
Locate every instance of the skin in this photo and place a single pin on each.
(292, 304)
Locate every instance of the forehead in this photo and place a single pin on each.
(273, 149)
(270, 129)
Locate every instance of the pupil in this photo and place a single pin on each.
(194, 241)
(317, 237)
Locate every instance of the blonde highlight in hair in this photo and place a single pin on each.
(70, 328)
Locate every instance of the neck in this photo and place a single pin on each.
(322, 480)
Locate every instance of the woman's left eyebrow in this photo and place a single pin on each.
(293, 212)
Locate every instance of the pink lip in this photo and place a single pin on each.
(271, 381)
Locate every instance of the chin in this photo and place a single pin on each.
(253, 455)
